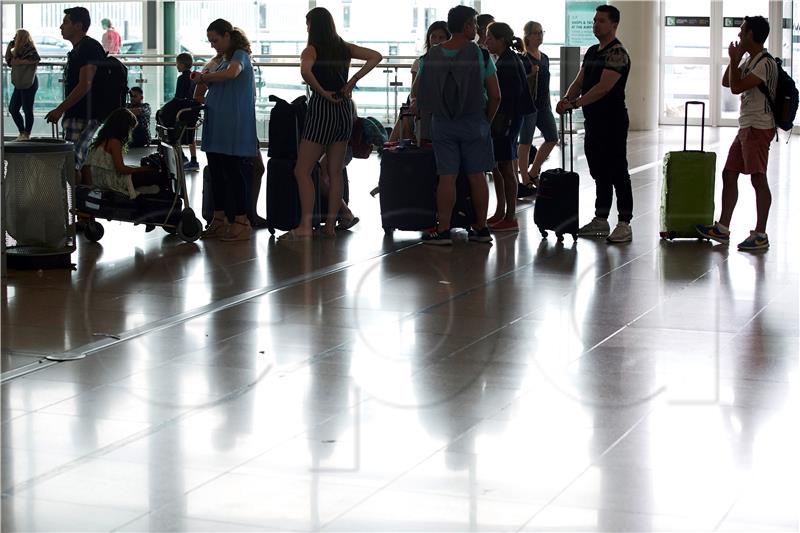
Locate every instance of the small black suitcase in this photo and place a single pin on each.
(283, 198)
(408, 189)
(407, 185)
(557, 196)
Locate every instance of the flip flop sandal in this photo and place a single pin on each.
(347, 223)
(291, 236)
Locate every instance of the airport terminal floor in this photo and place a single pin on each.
(372, 383)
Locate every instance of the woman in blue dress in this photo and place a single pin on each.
(229, 131)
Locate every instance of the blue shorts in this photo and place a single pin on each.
(462, 145)
(542, 119)
(505, 146)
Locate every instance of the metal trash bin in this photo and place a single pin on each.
(37, 204)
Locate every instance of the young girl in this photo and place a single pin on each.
(516, 103)
(22, 56)
(324, 65)
(106, 165)
(229, 133)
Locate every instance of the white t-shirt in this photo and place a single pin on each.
(755, 111)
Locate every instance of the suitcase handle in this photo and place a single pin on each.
(702, 123)
(563, 140)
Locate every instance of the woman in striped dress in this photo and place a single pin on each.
(324, 65)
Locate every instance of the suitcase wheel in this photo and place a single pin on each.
(189, 228)
(93, 230)
(388, 231)
(574, 236)
(560, 237)
(544, 233)
(271, 230)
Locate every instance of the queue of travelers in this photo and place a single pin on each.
(479, 93)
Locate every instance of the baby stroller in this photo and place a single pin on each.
(169, 208)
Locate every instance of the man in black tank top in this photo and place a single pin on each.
(599, 89)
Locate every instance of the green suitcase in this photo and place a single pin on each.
(687, 195)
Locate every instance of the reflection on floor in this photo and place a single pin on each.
(370, 383)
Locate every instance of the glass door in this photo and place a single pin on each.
(694, 51)
(686, 58)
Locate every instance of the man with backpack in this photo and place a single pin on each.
(457, 85)
(751, 78)
(81, 118)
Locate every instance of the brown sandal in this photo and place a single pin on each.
(242, 235)
(214, 230)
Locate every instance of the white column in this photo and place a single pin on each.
(639, 32)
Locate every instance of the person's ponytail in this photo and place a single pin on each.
(239, 41)
(517, 44)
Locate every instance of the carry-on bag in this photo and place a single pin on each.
(407, 186)
(286, 122)
(687, 194)
(283, 197)
(408, 189)
(556, 205)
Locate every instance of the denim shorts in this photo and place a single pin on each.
(505, 146)
(462, 145)
(542, 119)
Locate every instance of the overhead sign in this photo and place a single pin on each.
(732, 22)
(579, 20)
(697, 22)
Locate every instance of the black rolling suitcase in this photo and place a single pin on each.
(556, 206)
(408, 189)
(283, 197)
(407, 185)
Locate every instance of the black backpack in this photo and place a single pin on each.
(286, 121)
(109, 87)
(784, 106)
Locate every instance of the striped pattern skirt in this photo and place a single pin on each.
(327, 122)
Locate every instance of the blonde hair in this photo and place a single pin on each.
(25, 41)
(527, 31)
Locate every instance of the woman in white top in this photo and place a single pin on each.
(107, 167)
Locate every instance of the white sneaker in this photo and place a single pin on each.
(598, 227)
(622, 233)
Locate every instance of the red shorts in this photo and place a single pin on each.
(750, 151)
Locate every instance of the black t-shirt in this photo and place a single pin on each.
(513, 83)
(543, 85)
(613, 57)
(183, 88)
(88, 51)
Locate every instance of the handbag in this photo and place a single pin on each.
(22, 76)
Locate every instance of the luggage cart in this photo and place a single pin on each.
(171, 210)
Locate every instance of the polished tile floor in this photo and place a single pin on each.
(370, 383)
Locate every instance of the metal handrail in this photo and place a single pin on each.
(255, 64)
